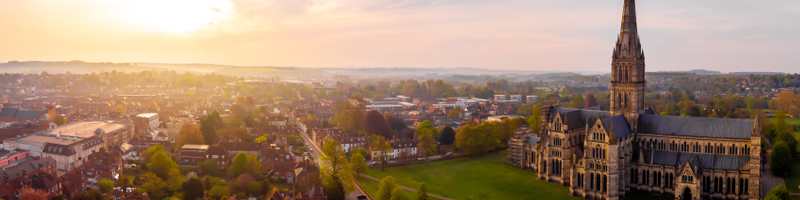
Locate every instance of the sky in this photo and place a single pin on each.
(567, 35)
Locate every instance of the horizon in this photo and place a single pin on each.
(498, 35)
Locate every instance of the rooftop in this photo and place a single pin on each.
(195, 146)
(86, 128)
(147, 115)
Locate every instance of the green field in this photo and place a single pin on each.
(485, 177)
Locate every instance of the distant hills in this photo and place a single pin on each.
(264, 71)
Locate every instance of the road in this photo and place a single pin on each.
(315, 153)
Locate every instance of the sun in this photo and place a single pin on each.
(179, 16)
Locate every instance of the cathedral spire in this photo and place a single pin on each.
(628, 45)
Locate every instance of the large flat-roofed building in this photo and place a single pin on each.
(68, 151)
(146, 124)
(112, 132)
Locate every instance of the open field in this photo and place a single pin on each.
(485, 177)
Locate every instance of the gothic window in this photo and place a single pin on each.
(745, 186)
(591, 181)
(605, 186)
(733, 149)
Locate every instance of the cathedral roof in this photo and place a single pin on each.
(620, 126)
(577, 118)
(628, 46)
(695, 126)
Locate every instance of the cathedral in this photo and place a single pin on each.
(607, 154)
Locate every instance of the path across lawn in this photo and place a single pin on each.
(406, 188)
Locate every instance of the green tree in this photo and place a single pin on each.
(209, 132)
(154, 186)
(208, 167)
(218, 191)
(193, 189)
(106, 185)
(423, 192)
(358, 164)
(579, 101)
(428, 125)
(150, 151)
(780, 159)
(380, 144)
(163, 166)
(778, 193)
(334, 168)
(385, 188)
(398, 194)
(427, 145)
(238, 165)
(60, 120)
(361, 151)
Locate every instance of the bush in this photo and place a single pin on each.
(778, 193)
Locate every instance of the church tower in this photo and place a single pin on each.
(627, 69)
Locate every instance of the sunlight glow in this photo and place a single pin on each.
(179, 16)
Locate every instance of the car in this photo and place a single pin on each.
(421, 158)
(361, 196)
(448, 154)
(311, 149)
(374, 163)
(415, 159)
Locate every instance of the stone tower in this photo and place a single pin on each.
(627, 70)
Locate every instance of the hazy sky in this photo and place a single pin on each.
(570, 35)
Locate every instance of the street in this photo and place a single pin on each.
(315, 152)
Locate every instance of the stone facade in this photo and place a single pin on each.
(607, 154)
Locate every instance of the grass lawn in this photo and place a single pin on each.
(371, 187)
(485, 177)
(794, 178)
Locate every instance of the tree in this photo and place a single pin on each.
(241, 133)
(786, 136)
(88, 195)
(455, 113)
(578, 100)
(29, 193)
(779, 192)
(193, 189)
(780, 159)
(590, 101)
(208, 167)
(153, 186)
(448, 136)
(398, 194)
(423, 192)
(361, 151)
(358, 164)
(218, 191)
(106, 185)
(385, 188)
(243, 181)
(395, 122)
(380, 144)
(150, 151)
(189, 134)
(427, 125)
(375, 124)
(60, 120)
(209, 132)
(238, 165)
(334, 168)
(426, 145)
(121, 109)
(162, 165)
